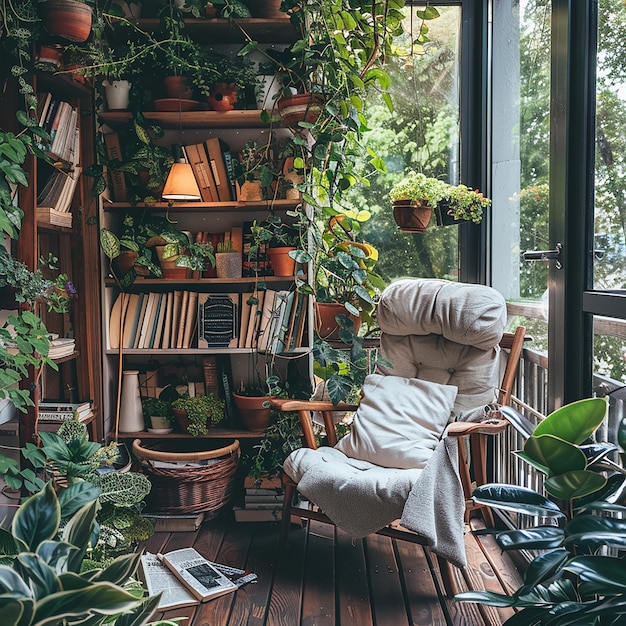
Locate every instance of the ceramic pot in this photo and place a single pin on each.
(325, 323)
(269, 9)
(183, 421)
(169, 268)
(228, 264)
(124, 262)
(131, 412)
(69, 19)
(411, 217)
(282, 263)
(177, 87)
(255, 411)
(117, 94)
(268, 93)
(49, 58)
(250, 191)
(160, 425)
(223, 97)
(301, 107)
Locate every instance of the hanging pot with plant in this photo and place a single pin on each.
(69, 19)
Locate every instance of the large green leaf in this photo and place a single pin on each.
(608, 574)
(42, 579)
(544, 567)
(540, 538)
(486, 597)
(574, 422)
(38, 518)
(516, 499)
(558, 455)
(574, 484)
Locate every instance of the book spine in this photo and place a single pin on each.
(114, 153)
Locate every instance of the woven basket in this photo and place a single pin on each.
(207, 489)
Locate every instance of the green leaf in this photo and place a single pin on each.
(516, 499)
(608, 574)
(38, 518)
(544, 567)
(540, 538)
(574, 422)
(109, 243)
(574, 484)
(558, 455)
(486, 597)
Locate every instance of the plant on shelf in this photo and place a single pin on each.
(200, 412)
(258, 171)
(157, 413)
(578, 575)
(198, 256)
(94, 596)
(463, 203)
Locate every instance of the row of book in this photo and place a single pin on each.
(61, 411)
(262, 501)
(61, 347)
(270, 321)
(58, 182)
(154, 320)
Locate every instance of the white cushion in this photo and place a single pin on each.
(399, 421)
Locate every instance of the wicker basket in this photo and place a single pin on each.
(207, 489)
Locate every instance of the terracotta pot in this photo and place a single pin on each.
(302, 107)
(325, 323)
(124, 262)
(255, 411)
(250, 191)
(282, 263)
(177, 87)
(269, 9)
(69, 19)
(49, 58)
(169, 268)
(411, 217)
(183, 421)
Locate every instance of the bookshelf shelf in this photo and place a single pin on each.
(244, 118)
(201, 351)
(54, 228)
(197, 283)
(206, 207)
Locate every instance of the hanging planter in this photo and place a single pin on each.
(411, 216)
(301, 107)
(70, 19)
(443, 217)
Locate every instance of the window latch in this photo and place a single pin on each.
(546, 255)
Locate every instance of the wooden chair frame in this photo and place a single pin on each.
(477, 433)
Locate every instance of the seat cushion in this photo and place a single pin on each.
(399, 421)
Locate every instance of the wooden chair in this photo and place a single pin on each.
(475, 433)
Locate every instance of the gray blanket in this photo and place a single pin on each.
(362, 498)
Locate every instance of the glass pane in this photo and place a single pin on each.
(609, 269)
(521, 149)
(421, 134)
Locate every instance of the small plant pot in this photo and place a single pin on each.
(282, 263)
(117, 94)
(177, 87)
(70, 19)
(223, 97)
(124, 262)
(49, 58)
(443, 217)
(169, 268)
(269, 93)
(160, 424)
(325, 323)
(228, 264)
(255, 411)
(269, 9)
(411, 217)
(250, 191)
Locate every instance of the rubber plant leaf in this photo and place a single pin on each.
(558, 455)
(539, 538)
(543, 567)
(608, 573)
(574, 422)
(574, 484)
(517, 499)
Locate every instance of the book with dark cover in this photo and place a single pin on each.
(218, 320)
(255, 259)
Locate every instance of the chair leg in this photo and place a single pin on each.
(286, 516)
(447, 576)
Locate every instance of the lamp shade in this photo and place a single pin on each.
(181, 183)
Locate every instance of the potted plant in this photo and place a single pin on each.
(281, 239)
(573, 575)
(69, 19)
(157, 415)
(196, 414)
(254, 406)
(462, 204)
(227, 260)
(414, 199)
(257, 171)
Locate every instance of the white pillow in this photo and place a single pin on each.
(399, 421)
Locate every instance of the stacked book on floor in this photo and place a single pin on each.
(61, 411)
(262, 502)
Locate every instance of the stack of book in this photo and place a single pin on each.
(61, 411)
(61, 347)
(263, 501)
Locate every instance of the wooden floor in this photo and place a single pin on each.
(324, 578)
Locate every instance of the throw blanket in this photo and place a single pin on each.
(362, 498)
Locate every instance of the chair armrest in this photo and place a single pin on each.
(282, 404)
(460, 429)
